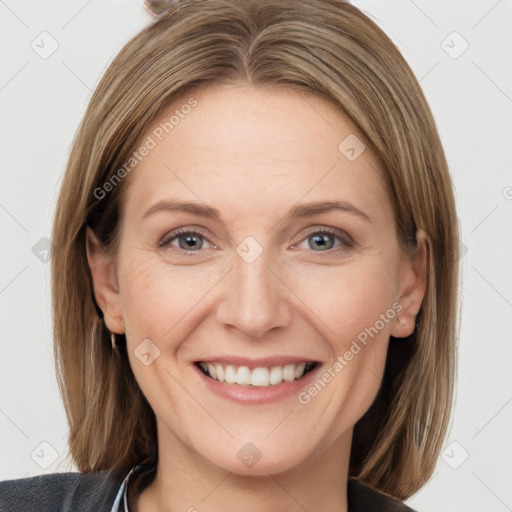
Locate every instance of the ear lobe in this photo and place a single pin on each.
(106, 291)
(413, 284)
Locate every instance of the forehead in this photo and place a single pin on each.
(254, 149)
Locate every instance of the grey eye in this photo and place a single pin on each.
(324, 241)
(159, 7)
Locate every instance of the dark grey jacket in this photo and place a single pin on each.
(95, 492)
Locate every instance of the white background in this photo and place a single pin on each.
(470, 92)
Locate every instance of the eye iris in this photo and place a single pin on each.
(320, 239)
(190, 241)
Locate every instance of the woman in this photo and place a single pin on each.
(254, 271)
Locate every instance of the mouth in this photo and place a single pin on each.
(261, 376)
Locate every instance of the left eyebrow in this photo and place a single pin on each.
(297, 211)
(318, 207)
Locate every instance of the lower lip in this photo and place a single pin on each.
(257, 394)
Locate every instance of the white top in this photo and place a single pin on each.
(121, 501)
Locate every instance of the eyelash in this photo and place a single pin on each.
(345, 240)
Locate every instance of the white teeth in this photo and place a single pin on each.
(243, 376)
(220, 372)
(211, 370)
(289, 372)
(276, 375)
(230, 374)
(299, 371)
(260, 376)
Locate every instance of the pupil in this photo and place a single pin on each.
(320, 240)
(190, 240)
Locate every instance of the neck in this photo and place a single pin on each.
(184, 481)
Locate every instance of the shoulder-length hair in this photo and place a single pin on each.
(325, 47)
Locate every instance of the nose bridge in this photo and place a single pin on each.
(255, 300)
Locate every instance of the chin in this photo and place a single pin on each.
(259, 457)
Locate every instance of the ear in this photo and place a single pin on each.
(106, 290)
(414, 272)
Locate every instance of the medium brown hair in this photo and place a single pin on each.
(325, 47)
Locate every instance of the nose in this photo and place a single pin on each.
(255, 298)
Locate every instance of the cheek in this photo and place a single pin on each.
(156, 296)
(354, 309)
(159, 303)
(350, 301)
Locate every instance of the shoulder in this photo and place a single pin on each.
(363, 498)
(57, 492)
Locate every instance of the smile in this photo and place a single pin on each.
(261, 376)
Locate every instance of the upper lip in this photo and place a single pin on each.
(256, 362)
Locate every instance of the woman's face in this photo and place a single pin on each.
(286, 259)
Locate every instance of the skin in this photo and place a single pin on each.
(252, 154)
